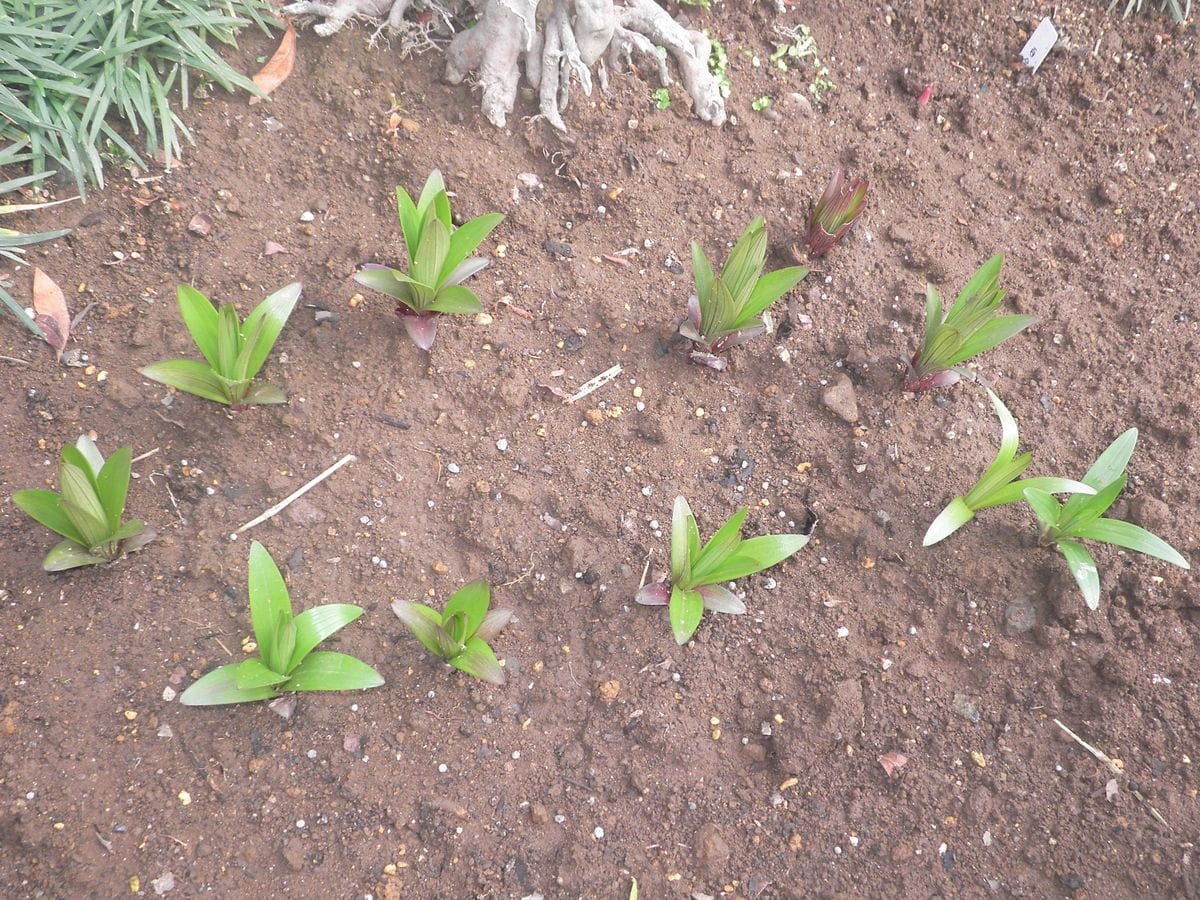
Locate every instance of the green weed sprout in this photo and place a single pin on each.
(970, 327)
(1001, 483)
(462, 633)
(287, 656)
(697, 573)
(726, 309)
(838, 208)
(661, 97)
(439, 261)
(88, 510)
(234, 351)
(1082, 518)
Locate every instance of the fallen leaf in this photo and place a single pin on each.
(279, 66)
(892, 761)
(200, 224)
(1111, 790)
(51, 308)
(271, 248)
(283, 706)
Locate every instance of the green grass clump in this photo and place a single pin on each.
(68, 69)
(1179, 9)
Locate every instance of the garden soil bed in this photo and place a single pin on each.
(745, 764)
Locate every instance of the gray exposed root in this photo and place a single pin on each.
(339, 12)
(560, 41)
(494, 47)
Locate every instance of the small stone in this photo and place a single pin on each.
(594, 416)
(164, 883)
(538, 814)
(900, 234)
(839, 399)
(608, 690)
(712, 851)
(963, 706)
(1108, 191)
(1020, 615)
(440, 568)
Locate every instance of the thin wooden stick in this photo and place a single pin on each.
(1115, 769)
(287, 501)
(598, 382)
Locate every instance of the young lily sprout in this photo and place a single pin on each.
(1082, 518)
(999, 484)
(967, 329)
(462, 633)
(439, 261)
(87, 512)
(835, 212)
(234, 351)
(287, 657)
(726, 309)
(697, 573)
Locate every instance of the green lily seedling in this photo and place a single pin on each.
(1001, 483)
(726, 309)
(970, 327)
(697, 572)
(838, 209)
(462, 633)
(88, 510)
(1082, 518)
(234, 351)
(439, 261)
(287, 659)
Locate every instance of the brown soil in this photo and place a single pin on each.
(744, 764)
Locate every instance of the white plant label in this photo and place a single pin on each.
(1038, 47)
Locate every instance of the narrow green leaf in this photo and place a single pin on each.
(251, 674)
(219, 687)
(229, 341)
(112, 484)
(680, 513)
(1089, 509)
(722, 312)
(466, 238)
(431, 253)
(323, 670)
(456, 300)
(472, 601)
(386, 281)
(71, 455)
(269, 604)
(685, 610)
(425, 624)
(934, 316)
(770, 288)
(757, 554)
(273, 313)
(718, 598)
(991, 334)
(190, 376)
(1107, 467)
(956, 514)
(410, 222)
(702, 273)
(981, 282)
(1046, 508)
(745, 261)
(43, 507)
(1015, 491)
(1132, 537)
(260, 394)
(479, 661)
(82, 506)
(433, 186)
(95, 461)
(723, 542)
(70, 555)
(200, 317)
(1083, 570)
(316, 624)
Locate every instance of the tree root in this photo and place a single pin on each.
(573, 37)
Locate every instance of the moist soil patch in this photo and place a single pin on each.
(747, 763)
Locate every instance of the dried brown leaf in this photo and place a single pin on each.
(892, 761)
(200, 224)
(279, 66)
(51, 308)
(271, 248)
